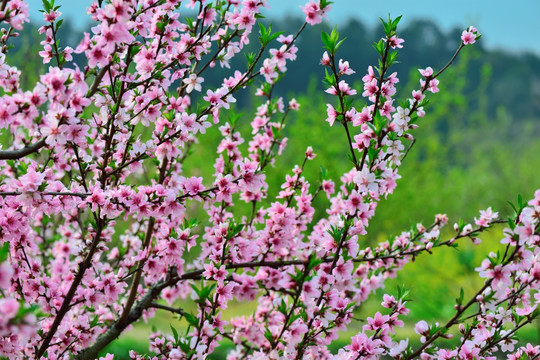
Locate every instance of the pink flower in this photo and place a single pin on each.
(370, 75)
(6, 271)
(344, 68)
(395, 42)
(363, 139)
(345, 89)
(332, 114)
(388, 301)
(468, 37)
(97, 199)
(417, 95)
(325, 59)
(51, 16)
(115, 34)
(370, 88)
(421, 328)
(431, 86)
(294, 105)
(314, 14)
(446, 354)
(212, 272)
(96, 56)
(397, 349)
(46, 54)
(193, 185)
(328, 187)
(486, 217)
(310, 155)
(31, 180)
(427, 72)
(363, 116)
(377, 322)
(8, 308)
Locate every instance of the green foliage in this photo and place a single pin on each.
(331, 41)
(266, 35)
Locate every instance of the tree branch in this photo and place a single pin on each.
(17, 154)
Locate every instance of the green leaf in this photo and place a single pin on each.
(325, 3)
(196, 289)
(335, 232)
(386, 26)
(328, 78)
(175, 333)
(94, 322)
(275, 132)
(459, 300)
(238, 228)
(372, 152)
(331, 41)
(392, 56)
(511, 224)
(282, 308)
(403, 293)
(4, 252)
(191, 319)
(324, 173)
(250, 57)
(520, 202)
(326, 41)
(461, 225)
(46, 6)
(275, 36)
(513, 207)
(379, 47)
(268, 335)
(263, 33)
(293, 319)
(233, 119)
(396, 22)
(266, 35)
(334, 35)
(184, 346)
(190, 223)
(339, 44)
(205, 292)
(314, 262)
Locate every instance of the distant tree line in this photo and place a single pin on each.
(514, 83)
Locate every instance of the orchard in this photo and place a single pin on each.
(102, 226)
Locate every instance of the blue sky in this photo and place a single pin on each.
(512, 25)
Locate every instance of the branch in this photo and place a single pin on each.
(116, 329)
(178, 311)
(50, 193)
(66, 304)
(97, 80)
(17, 154)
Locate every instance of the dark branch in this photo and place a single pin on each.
(17, 154)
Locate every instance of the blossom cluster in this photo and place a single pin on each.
(97, 208)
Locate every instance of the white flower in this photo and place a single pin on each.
(366, 181)
(194, 83)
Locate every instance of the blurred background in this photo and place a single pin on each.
(478, 145)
